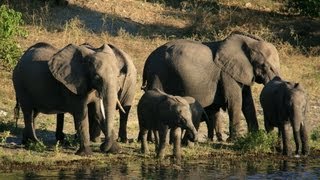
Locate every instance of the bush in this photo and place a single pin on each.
(10, 28)
(37, 146)
(315, 134)
(304, 7)
(257, 142)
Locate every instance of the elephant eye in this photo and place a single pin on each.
(97, 79)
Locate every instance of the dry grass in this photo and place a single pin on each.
(139, 27)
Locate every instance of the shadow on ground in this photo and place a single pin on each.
(296, 30)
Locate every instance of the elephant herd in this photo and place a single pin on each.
(185, 82)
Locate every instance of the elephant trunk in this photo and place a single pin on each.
(108, 108)
(193, 134)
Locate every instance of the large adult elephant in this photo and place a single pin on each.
(126, 83)
(217, 74)
(69, 80)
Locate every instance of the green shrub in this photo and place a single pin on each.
(37, 146)
(315, 134)
(256, 142)
(304, 7)
(10, 28)
(3, 137)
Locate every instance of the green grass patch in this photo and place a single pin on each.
(10, 27)
(256, 142)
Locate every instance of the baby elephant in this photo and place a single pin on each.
(284, 103)
(198, 115)
(159, 112)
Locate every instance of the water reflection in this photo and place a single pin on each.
(215, 169)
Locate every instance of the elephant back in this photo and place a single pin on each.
(39, 52)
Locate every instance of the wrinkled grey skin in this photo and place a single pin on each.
(217, 74)
(198, 115)
(126, 82)
(159, 112)
(54, 82)
(284, 104)
(94, 129)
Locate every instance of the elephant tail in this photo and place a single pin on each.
(16, 112)
(144, 81)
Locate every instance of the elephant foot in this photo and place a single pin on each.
(115, 148)
(145, 150)
(278, 149)
(160, 156)
(219, 137)
(60, 137)
(286, 152)
(190, 144)
(123, 140)
(230, 139)
(184, 142)
(96, 139)
(27, 141)
(177, 160)
(305, 152)
(85, 151)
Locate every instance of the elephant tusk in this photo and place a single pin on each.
(102, 109)
(120, 106)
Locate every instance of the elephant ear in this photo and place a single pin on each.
(189, 99)
(232, 57)
(69, 67)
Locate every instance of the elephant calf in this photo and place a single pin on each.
(284, 103)
(159, 112)
(198, 115)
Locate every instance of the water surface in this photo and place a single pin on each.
(210, 169)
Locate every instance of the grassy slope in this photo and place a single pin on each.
(138, 28)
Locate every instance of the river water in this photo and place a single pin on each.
(216, 169)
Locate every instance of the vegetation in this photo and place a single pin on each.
(305, 7)
(257, 142)
(139, 30)
(10, 27)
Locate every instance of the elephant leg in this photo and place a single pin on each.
(156, 139)
(171, 136)
(304, 140)
(186, 137)
(94, 120)
(249, 110)
(150, 137)
(279, 145)
(234, 116)
(144, 144)
(177, 144)
(59, 129)
(285, 138)
(218, 126)
(233, 96)
(82, 127)
(297, 140)
(123, 124)
(163, 130)
(29, 129)
(214, 124)
(234, 112)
